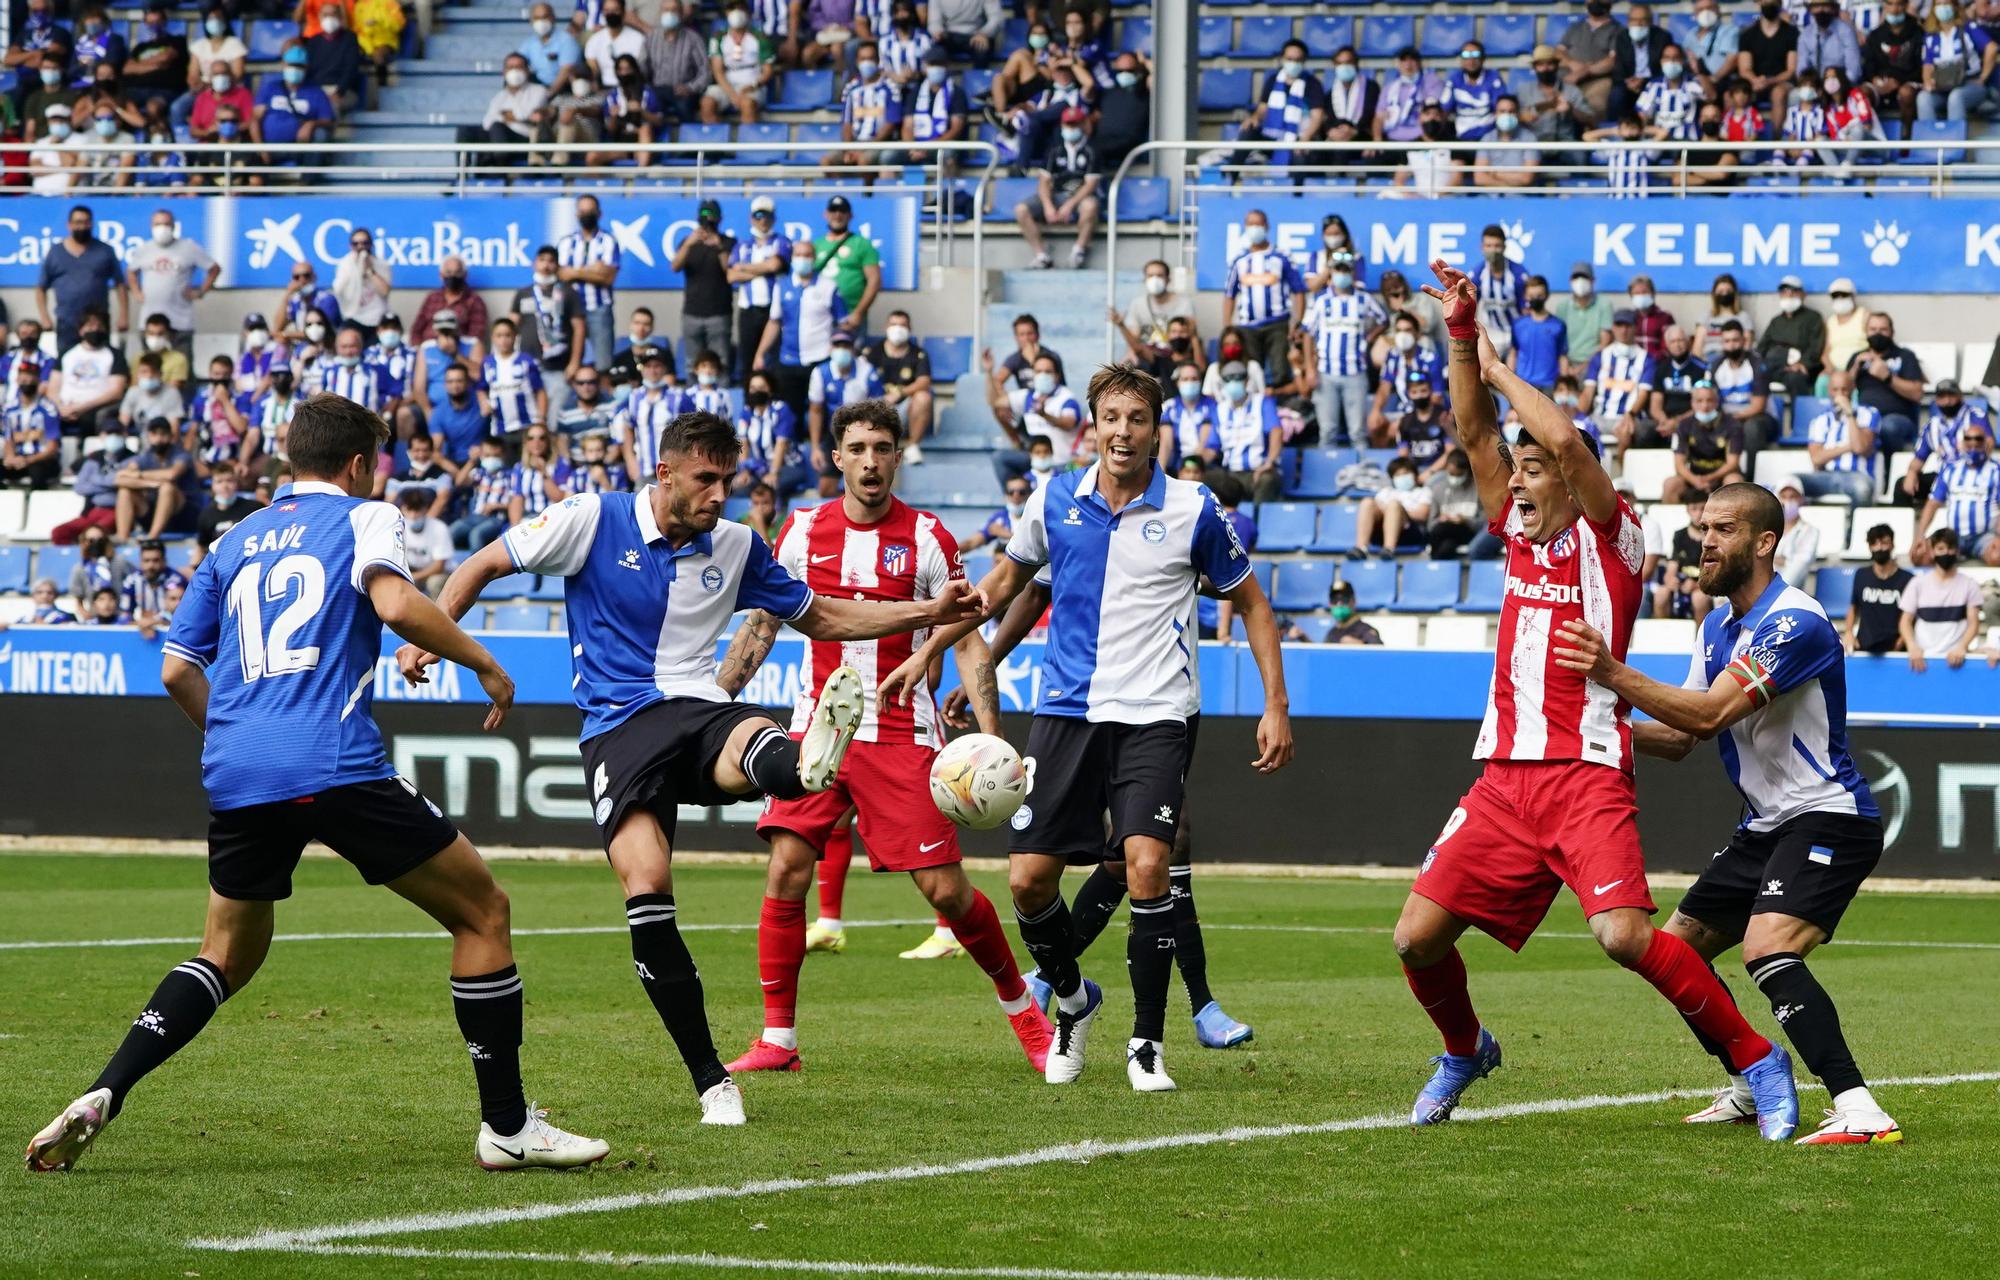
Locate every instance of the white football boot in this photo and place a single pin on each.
(838, 715)
(1145, 1068)
(1733, 1105)
(540, 1145)
(64, 1140)
(723, 1104)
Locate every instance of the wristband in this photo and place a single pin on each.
(1468, 331)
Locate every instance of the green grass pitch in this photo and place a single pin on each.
(335, 1090)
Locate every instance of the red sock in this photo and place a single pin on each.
(781, 949)
(979, 930)
(1440, 989)
(1679, 974)
(943, 923)
(833, 872)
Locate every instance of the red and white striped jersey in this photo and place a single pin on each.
(1537, 710)
(906, 555)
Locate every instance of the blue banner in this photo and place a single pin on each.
(1342, 682)
(1898, 244)
(257, 238)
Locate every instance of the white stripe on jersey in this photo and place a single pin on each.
(1599, 727)
(1531, 663)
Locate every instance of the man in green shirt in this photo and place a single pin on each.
(1588, 315)
(854, 261)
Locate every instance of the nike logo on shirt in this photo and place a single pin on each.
(823, 559)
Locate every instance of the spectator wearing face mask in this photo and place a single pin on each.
(1424, 434)
(1149, 316)
(755, 266)
(1430, 170)
(1708, 447)
(515, 113)
(1341, 322)
(1586, 314)
(1266, 298)
(362, 281)
(703, 261)
(1650, 320)
(936, 112)
(1723, 306)
(1508, 159)
(1940, 608)
(548, 316)
(1618, 382)
(289, 109)
(1794, 341)
(999, 526)
(1404, 505)
(1291, 108)
(1798, 541)
(271, 414)
(805, 309)
(1674, 377)
(1555, 110)
(1892, 60)
(427, 544)
(1846, 325)
(1938, 444)
(80, 270)
(1044, 410)
(1404, 355)
(1456, 518)
(1250, 435)
(1967, 491)
(1669, 103)
(1232, 346)
(151, 398)
(334, 60)
(1335, 238)
(845, 378)
(773, 452)
(492, 498)
(30, 433)
(742, 64)
(575, 115)
(1713, 47)
(1190, 424)
(905, 370)
(1768, 61)
(1591, 52)
(1875, 610)
(677, 64)
(1540, 340)
(1743, 381)
(456, 295)
(153, 485)
(90, 380)
(1842, 442)
(622, 37)
(1958, 62)
(548, 48)
(1889, 379)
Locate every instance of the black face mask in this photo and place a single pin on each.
(1945, 561)
(1545, 77)
(1537, 301)
(1769, 12)
(28, 390)
(1179, 346)
(281, 383)
(1437, 130)
(756, 399)
(1884, 556)
(614, 20)
(458, 397)
(1880, 343)
(1734, 357)
(1711, 128)
(454, 282)
(1727, 298)
(93, 337)
(1598, 8)
(587, 221)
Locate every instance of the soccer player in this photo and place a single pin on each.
(272, 654)
(1769, 672)
(1555, 803)
(650, 582)
(1126, 547)
(870, 545)
(1098, 897)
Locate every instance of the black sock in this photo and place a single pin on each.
(181, 1006)
(772, 762)
(488, 1006)
(1048, 937)
(1149, 955)
(1709, 1044)
(1189, 953)
(1096, 902)
(667, 972)
(1803, 1008)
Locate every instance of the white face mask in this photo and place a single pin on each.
(1580, 286)
(1843, 306)
(1156, 285)
(543, 26)
(389, 338)
(255, 339)
(545, 278)
(579, 87)
(219, 83)
(515, 77)
(1404, 481)
(156, 342)
(897, 334)
(163, 233)
(316, 332)
(1406, 341)
(1706, 18)
(1043, 462)
(1641, 301)
(1045, 383)
(1789, 303)
(330, 25)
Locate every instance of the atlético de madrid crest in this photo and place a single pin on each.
(896, 559)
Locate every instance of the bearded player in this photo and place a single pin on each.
(1555, 804)
(1769, 682)
(869, 545)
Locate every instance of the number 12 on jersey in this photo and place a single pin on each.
(272, 654)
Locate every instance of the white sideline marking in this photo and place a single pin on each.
(725, 1262)
(306, 1239)
(421, 935)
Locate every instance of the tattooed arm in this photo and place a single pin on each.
(975, 673)
(747, 651)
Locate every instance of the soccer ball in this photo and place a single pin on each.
(978, 781)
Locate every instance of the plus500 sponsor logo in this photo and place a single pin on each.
(1544, 592)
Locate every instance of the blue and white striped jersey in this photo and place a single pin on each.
(1191, 428)
(580, 477)
(639, 423)
(1502, 292)
(761, 429)
(903, 56)
(1121, 641)
(713, 400)
(756, 291)
(1628, 169)
(1287, 103)
(1261, 283)
(1623, 374)
(490, 490)
(1245, 430)
(1830, 428)
(933, 106)
(826, 387)
(511, 382)
(1969, 490)
(360, 382)
(530, 485)
(25, 430)
(579, 250)
(1789, 757)
(644, 615)
(1470, 99)
(772, 17)
(1672, 105)
(278, 615)
(872, 109)
(1340, 324)
(1940, 434)
(396, 364)
(1396, 367)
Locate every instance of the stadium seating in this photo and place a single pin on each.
(1374, 583)
(1647, 470)
(1326, 34)
(1382, 36)
(48, 508)
(1458, 632)
(1663, 635)
(13, 510)
(1305, 584)
(1507, 35)
(1428, 586)
(1833, 586)
(1901, 522)
(1286, 526)
(1444, 33)
(951, 359)
(1261, 37)
(1213, 37)
(1337, 521)
(1484, 582)
(14, 568)
(1225, 90)
(58, 563)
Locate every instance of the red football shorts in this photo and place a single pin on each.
(888, 785)
(1527, 828)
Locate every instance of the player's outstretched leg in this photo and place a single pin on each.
(1685, 979)
(1774, 951)
(1149, 957)
(640, 855)
(457, 890)
(1035, 881)
(235, 940)
(826, 933)
(781, 953)
(1213, 1029)
(1733, 1105)
(976, 925)
(1427, 944)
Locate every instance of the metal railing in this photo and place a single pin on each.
(1675, 176)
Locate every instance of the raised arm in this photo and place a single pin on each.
(1478, 426)
(1013, 627)
(828, 618)
(1552, 427)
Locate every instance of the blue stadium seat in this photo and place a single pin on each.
(1286, 526)
(707, 135)
(1319, 472)
(1484, 582)
(57, 563)
(1555, 24)
(1382, 37)
(1928, 134)
(1444, 33)
(803, 91)
(1428, 586)
(979, 80)
(1006, 193)
(1013, 35)
(266, 40)
(1136, 36)
(1337, 522)
(14, 570)
(760, 133)
(1214, 37)
(1303, 584)
(951, 358)
(1266, 573)
(1804, 410)
(1326, 35)
(1227, 3)
(978, 562)
(1508, 35)
(1374, 583)
(1262, 37)
(1834, 587)
(509, 587)
(1520, 82)
(1144, 199)
(1225, 90)
(734, 509)
(1315, 625)
(547, 587)
(812, 142)
(519, 617)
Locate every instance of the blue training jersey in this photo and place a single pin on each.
(279, 617)
(1789, 757)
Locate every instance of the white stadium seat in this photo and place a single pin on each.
(13, 510)
(1459, 631)
(1775, 466)
(1939, 359)
(1672, 517)
(48, 508)
(1647, 470)
(1972, 367)
(1398, 630)
(1662, 635)
(1832, 525)
(1899, 519)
